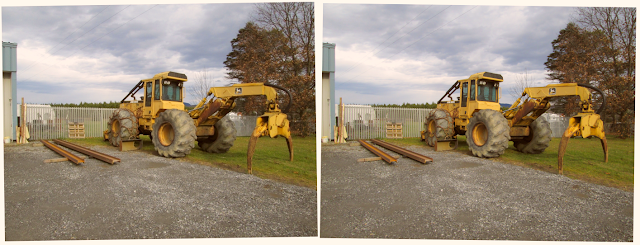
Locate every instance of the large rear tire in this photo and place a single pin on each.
(222, 140)
(439, 126)
(123, 125)
(488, 133)
(174, 133)
(538, 139)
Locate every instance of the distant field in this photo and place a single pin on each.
(583, 160)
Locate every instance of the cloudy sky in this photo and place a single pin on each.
(69, 54)
(414, 53)
(384, 53)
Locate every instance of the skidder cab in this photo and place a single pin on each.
(160, 93)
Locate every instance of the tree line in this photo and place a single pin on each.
(598, 49)
(105, 104)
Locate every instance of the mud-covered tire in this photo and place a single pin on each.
(427, 138)
(174, 133)
(438, 126)
(538, 140)
(123, 125)
(222, 140)
(488, 134)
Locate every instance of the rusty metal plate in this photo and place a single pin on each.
(205, 130)
(519, 131)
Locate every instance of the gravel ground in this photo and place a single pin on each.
(462, 197)
(145, 196)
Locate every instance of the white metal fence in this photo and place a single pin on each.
(361, 122)
(46, 122)
(558, 124)
(366, 122)
(243, 124)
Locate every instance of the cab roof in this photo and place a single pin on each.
(487, 75)
(172, 75)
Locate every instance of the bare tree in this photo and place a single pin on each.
(200, 84)
(296, 21)
(618, 59)
(523, 80)
(619, 26)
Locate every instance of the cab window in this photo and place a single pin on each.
(171, 90)
(487, 90)
(147, 96)
(472, 90)
(463, 99)
(157, 90)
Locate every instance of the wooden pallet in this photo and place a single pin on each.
(394, 131)
(76, 131)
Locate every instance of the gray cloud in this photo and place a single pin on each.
(120, 40)
(442, 41)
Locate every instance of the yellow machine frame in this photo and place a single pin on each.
(273, 123)
(587, 123)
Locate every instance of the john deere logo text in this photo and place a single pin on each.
(552, 91)
(238, 90)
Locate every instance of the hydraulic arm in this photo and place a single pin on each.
(586, 124)
(272, 123)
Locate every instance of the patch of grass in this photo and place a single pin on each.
(583, 160)
(270, 160)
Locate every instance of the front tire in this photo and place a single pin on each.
(174, 133)
(488, 134)
(538, 139)
(439, 126)
(123, 125)
(222, 140)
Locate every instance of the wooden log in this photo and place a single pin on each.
(368, 159)
(22, 139)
